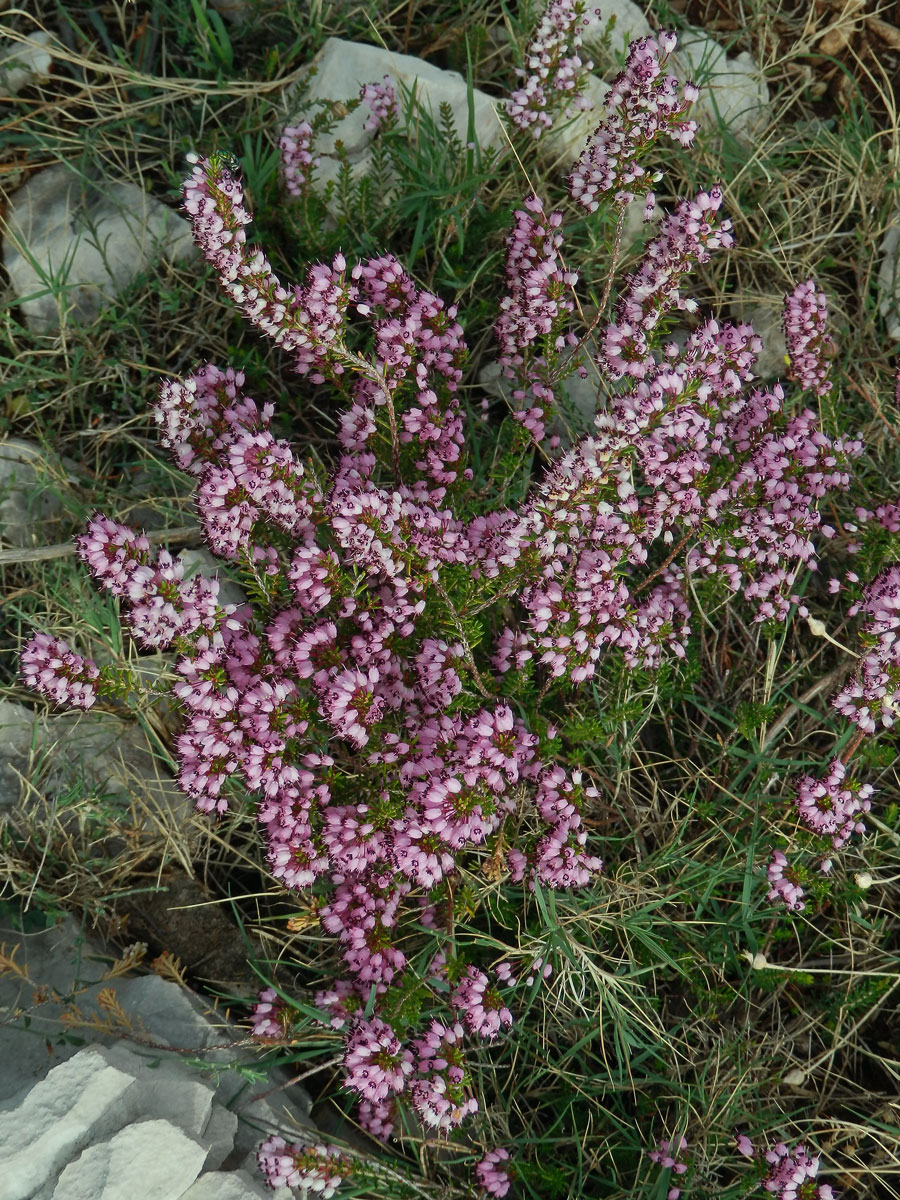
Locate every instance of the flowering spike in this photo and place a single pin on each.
(553, 68)
(381, 101)
(51, 668)
(533, 312)
(809, 345)
(642, 103)
(297, 163)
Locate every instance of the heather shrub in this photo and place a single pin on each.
(453, 616)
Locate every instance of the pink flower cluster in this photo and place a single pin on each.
(297, 162)
(686, 237)
(423, 1070)
(271, 1020)
(791, 1174)
(553, 68)
(304, 321)
(318, 1169)
(809, 345)
(161, 606)
(872, 697)
(358, 701)
(382, 103)
(492, 1173)
(50, 667)
(832, 806)
(784, 887)
(642, 104)
(533, 312)
(667, 1155)
(427, 1067)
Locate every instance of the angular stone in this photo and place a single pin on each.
(630, 24)
(217, 1107)
(168, 1014)
(733, 90)
(166, 1089)
(218, 1137)
(77, 1102)
(227, 1185)
(72, 244)
(765, 317)
(151, 1160)
(28, 491)
(25, 63)
(114, 756)
(202, 562)
(342, 68)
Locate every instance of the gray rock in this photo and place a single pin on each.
(114, 757)
(58, 1117)
(169, 1015)
(342, 68)
(560, 146)
(54, 961)
(219, 1136)
(166, 1090)
(630, 24)
(202, 562)
(732, 90)
(231, 1185)
(25, 62)
(29, 491)
(889, 278)
(577, 398)
(151, 1159)
(765, 317)
(159, 1015)
(72, 245)
(213, 1106)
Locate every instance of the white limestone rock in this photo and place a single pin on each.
(115, 756)
(74, 1105)
(202, 562)
(152, 1160)
(560, 146)
(889, 278)
(765, 317)
(577, 397)
(26, 62)
(733, 90)
(72, 245)
(123, 1082)
(166, 1089)
(29, 491)
(169, 1014)
(630, 24)
(227, 1185)
(343, 67)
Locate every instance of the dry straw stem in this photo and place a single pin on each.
(184, 535)
(121, 76)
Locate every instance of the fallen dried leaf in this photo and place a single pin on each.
(839, 34)
(887, 33)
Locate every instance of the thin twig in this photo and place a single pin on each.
(182, 535)
(467, 650)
